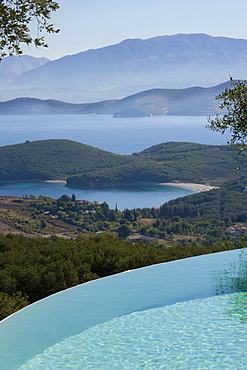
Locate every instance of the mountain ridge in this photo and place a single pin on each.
(14, 66)
(115, 71)
(191, 101)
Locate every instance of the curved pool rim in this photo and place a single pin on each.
(67, 313)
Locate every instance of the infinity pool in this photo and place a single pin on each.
(186, 314)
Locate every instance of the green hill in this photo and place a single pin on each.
(53, 159)
(228, 204)
(83, 165)
(165, 162)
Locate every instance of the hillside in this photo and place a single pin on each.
(83, 165)
(192, 101)
(14, 66)
(134, 65)
(38, 106)
(53, 159)
(228, 204)
(186, 162)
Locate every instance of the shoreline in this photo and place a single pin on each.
(56, 181)
(31, 180)
(192, 186)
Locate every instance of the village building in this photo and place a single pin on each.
(236, 231)
(82, 202)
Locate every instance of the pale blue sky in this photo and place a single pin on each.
(91, 24)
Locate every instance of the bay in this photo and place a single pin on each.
(128, 196)
(120, 136)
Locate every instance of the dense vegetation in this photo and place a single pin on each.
(166, 162)
(228, 204)
(32, 268)
(53, 159)
(205, 214)
(84, 165)
(139, 171)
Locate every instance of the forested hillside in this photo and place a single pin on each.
(53, 159)
(83, 165)
(228, 204)
(165, 162)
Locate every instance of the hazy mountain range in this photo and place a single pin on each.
(113, 72)
(190, 101)
(12, 67)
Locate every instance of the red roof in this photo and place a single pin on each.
(82, 201)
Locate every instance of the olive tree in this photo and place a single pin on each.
(16, 17)
(235, 114)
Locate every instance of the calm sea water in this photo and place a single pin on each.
(129, 196)
(121, 136)
(117, 135)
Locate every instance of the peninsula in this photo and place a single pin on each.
(81, 165)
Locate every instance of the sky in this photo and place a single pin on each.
(92, 24)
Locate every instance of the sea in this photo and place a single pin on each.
(116, 135)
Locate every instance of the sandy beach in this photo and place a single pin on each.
(58, 181)
(192, 186)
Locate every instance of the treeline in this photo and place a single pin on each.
(179, 230)
(95, 217)
(228, 204)
(90, 217)
(33, 268)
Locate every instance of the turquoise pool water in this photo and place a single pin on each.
(186, 314)
(208, 333)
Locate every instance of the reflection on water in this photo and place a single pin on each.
(233, 278)
(238, 309)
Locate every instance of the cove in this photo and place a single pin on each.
(124, 196)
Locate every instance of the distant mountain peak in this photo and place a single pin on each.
(115, 71)
(14, 66)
